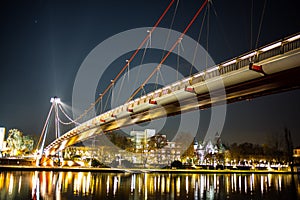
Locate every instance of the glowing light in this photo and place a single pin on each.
(132, 186)
(55, 100)
(262, 184)
(162, 184)
(271, 47)
(107, 185)
(20, 182)
(186, 80)
(11, 184)
(212, 69)
(187, 184)
(229, 63)
(293, 38)
(200, 74)
(168, 184)
(248, 55)
(174, 84)
(178, 186)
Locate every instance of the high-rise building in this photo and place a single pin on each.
(140, 138)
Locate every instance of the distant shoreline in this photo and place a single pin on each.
(135, 170)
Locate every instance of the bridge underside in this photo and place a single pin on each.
(266, 85)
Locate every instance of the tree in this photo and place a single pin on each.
(19, 144)
(189, 152)
(177, 164)
(157, 141)
(120, 141)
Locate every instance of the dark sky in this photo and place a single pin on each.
(43, 43)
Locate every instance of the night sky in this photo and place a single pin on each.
(43, 43)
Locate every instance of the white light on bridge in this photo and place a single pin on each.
(293, 38)
(186, 80)
(200, 74)
(212, 69)
(271, 47)
(229, 63)
(174, 84)
(248, 55)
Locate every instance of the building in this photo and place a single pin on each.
(3, 144)
(296, 155)
(140, 138)
(2, 135)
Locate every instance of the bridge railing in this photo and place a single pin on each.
(258, 55)
(291, 45)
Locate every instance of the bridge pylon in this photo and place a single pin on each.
(55, 101)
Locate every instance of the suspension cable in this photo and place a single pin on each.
(129, 60)
(170, 51)
(148, 44)
(44, 139)
(45, 125)
(180, 46)
(198, 41)
(121, 86)
(260, 24)
(106, 102)
(67, 116)
(251, 25)
(170, 28)
(207, 36)
(227, 43)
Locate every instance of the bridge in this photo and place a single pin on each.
(267, 70)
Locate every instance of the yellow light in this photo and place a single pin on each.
(178, 186)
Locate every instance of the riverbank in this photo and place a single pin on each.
(134, 170)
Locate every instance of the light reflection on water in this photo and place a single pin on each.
(91, 185)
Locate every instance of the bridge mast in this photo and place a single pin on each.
(54, 107)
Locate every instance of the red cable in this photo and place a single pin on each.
(131, 58)
(170, 51)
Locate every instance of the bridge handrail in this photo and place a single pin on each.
(273, 49)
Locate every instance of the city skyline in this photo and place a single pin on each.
(44, 44)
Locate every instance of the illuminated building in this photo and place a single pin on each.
(141, 138)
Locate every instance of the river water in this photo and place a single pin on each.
(97, 185)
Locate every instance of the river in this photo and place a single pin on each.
(97, 185)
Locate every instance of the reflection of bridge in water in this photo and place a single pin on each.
(148, 185)
(271, 69)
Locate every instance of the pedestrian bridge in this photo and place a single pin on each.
(270, 69)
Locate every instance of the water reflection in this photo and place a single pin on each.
(70, 185)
